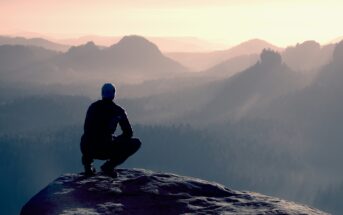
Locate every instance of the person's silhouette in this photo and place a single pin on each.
(98, 140)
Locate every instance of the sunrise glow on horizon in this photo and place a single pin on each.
(230, 22)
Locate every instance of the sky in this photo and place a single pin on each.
(231, 22)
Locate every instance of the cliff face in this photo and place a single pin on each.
(138, 191)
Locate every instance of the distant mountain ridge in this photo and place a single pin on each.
(132, 59)
(131, 55)
(257, 85)
(227, 98)
(203, 61)
(40, 42)
(166, 44)
(135, 59)
(232, 66)
(303, 56)
(14, 57)
(308, 55)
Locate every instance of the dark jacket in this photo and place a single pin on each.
(101, 122)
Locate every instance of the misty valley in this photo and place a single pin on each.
(253, 117)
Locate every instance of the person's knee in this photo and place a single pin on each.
(136, 143)
(132, 146)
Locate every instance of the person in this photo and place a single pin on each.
(98, 140)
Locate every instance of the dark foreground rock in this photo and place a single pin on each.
(138, 191)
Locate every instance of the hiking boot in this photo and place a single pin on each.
(89, 171)
(108, 170)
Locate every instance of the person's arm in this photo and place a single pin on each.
(125, 126)
(89, 119)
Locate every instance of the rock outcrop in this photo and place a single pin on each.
(139, 191)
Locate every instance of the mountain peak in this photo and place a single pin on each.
(139, 191)
(135, 42)
(258, 45)
(254, 46)
(310, 43)
(38, 42)
(269, 56)
(90, 44)
(89, 47)
(134, 39)
(256, 40)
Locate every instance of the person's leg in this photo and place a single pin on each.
(124, 149)
(121, 150)
(87, 162)
(87, 159)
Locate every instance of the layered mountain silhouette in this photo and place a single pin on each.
(231, 66)
(38, 42)
(269, 78)
(132, 59)
(203, 61)
(137, 52)
(165, 44)
(322, 97)
(307, 56)
(140, 191)
(231, 97)
(16, 61)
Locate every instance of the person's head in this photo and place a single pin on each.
(108, 91)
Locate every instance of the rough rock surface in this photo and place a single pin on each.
(138, 191)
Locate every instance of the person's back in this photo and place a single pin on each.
(98, 142)
(102, 119)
